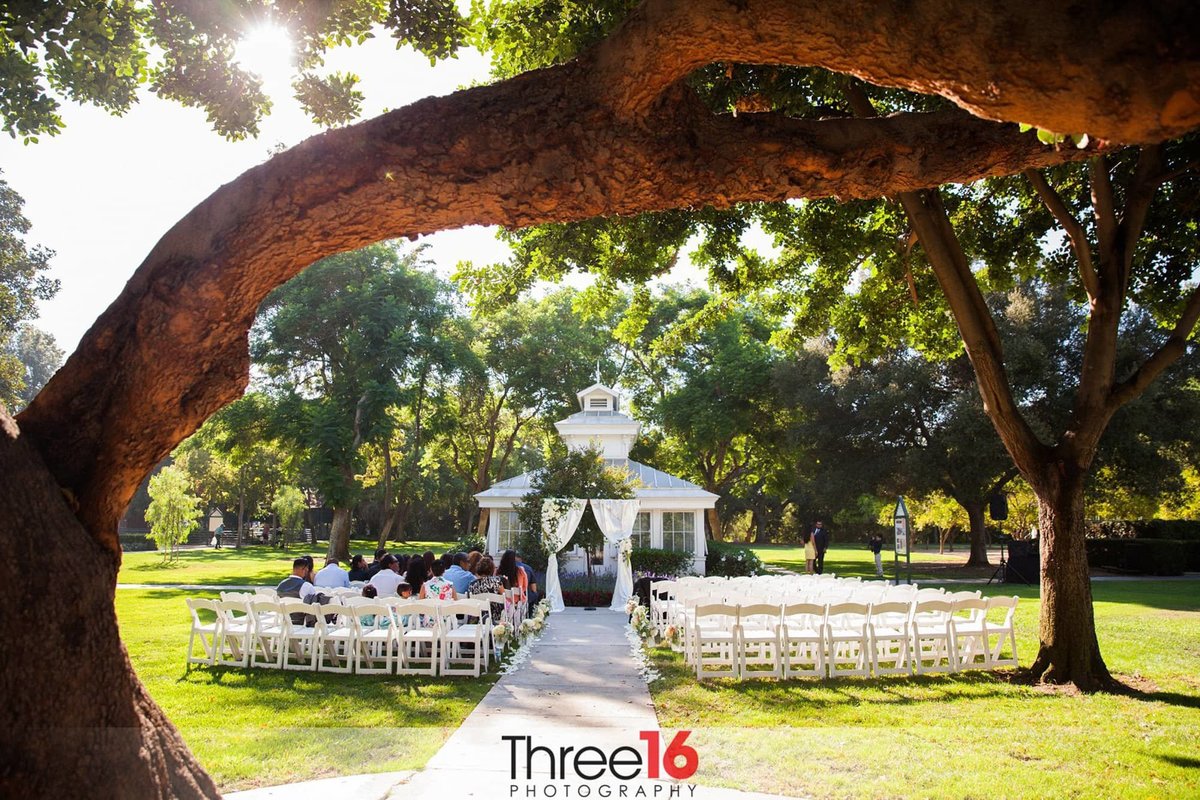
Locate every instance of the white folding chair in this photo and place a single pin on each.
(968, 639)
(233, 645)
(996, 634)
(890, 638)
(758, 641)
(714, 641)
(206, 631)
(662, 598)
(464, 645)
(267, 591)
(266, 633)
(802, 639)
(337, 640)
(932, 637)
(418, 644)
(848, 639)
(374, 637)
(301, 643)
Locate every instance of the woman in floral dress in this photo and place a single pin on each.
(487, 581)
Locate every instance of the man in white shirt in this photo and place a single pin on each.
(332, 576)
(388, 577)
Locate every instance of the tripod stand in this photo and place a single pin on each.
(1001, 573)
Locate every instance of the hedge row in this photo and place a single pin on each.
(731, 561)
(660, 562)
(134, 542)
(1180, 530)
(1144, 556)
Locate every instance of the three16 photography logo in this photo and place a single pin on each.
(587, 771)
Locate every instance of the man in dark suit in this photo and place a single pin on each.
(821, 541)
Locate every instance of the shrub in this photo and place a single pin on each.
(1186, 530)
(469, 542)
(580, 589)
(731, 561)
(1139, 556)
(660, 562)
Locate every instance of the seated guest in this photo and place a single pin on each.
(512, 574)
(297, 584)
(377, 564)
(458, 574)
(417, 573)
(404, 590)
(487, 581)
(437, 587)
(429, 559)
(332, 576)
(530, 582)
(359, 570)
(403, 563)
(473, 560)
(388, 578)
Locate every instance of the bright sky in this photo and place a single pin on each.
(101, 193)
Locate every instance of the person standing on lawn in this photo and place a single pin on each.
(821, 542)
(876, 545)
(810, 552)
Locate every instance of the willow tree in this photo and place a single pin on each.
(616, 130)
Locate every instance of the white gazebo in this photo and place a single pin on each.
(670, 510)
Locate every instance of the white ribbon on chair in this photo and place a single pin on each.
(560, 518)
(616, 518)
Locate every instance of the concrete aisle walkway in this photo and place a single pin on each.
(579, 688)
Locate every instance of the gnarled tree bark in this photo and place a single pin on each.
(611, 133)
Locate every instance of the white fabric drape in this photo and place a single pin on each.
(616, 518)
(560, 518)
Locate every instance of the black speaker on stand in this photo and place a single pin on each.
(1024, 565)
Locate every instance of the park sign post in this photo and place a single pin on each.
(901, 519)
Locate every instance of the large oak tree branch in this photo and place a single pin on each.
(530, 150)
(1075, 232)
(1165, 356)
(1126, 71)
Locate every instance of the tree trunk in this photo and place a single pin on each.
(75, 721)
(339, 535)
(481, 527)
(387, 495)
(1069, 651)
(714, 525)
(241, 507)
(761, 529)
(979, 553)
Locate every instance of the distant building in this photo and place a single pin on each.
(671, 514)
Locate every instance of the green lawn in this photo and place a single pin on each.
(263, 727)
(972, 734)
(255, 565)
(851, 560)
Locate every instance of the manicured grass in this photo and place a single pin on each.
(254, 565)
(974, 734)
(263, 727)
(855, 560)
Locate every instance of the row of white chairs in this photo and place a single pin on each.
(851, 638)
(669, 600)
(516, 607)
(360, 635)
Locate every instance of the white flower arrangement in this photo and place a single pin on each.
(527, 627)
(631, 605)
(672, 635)
(640, 622)
(501, 633)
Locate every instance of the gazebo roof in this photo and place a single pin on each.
(654, 483)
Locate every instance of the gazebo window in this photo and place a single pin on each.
(509, 530)
(641, 530)
(679, 531)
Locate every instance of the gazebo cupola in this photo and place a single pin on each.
(599, 423)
